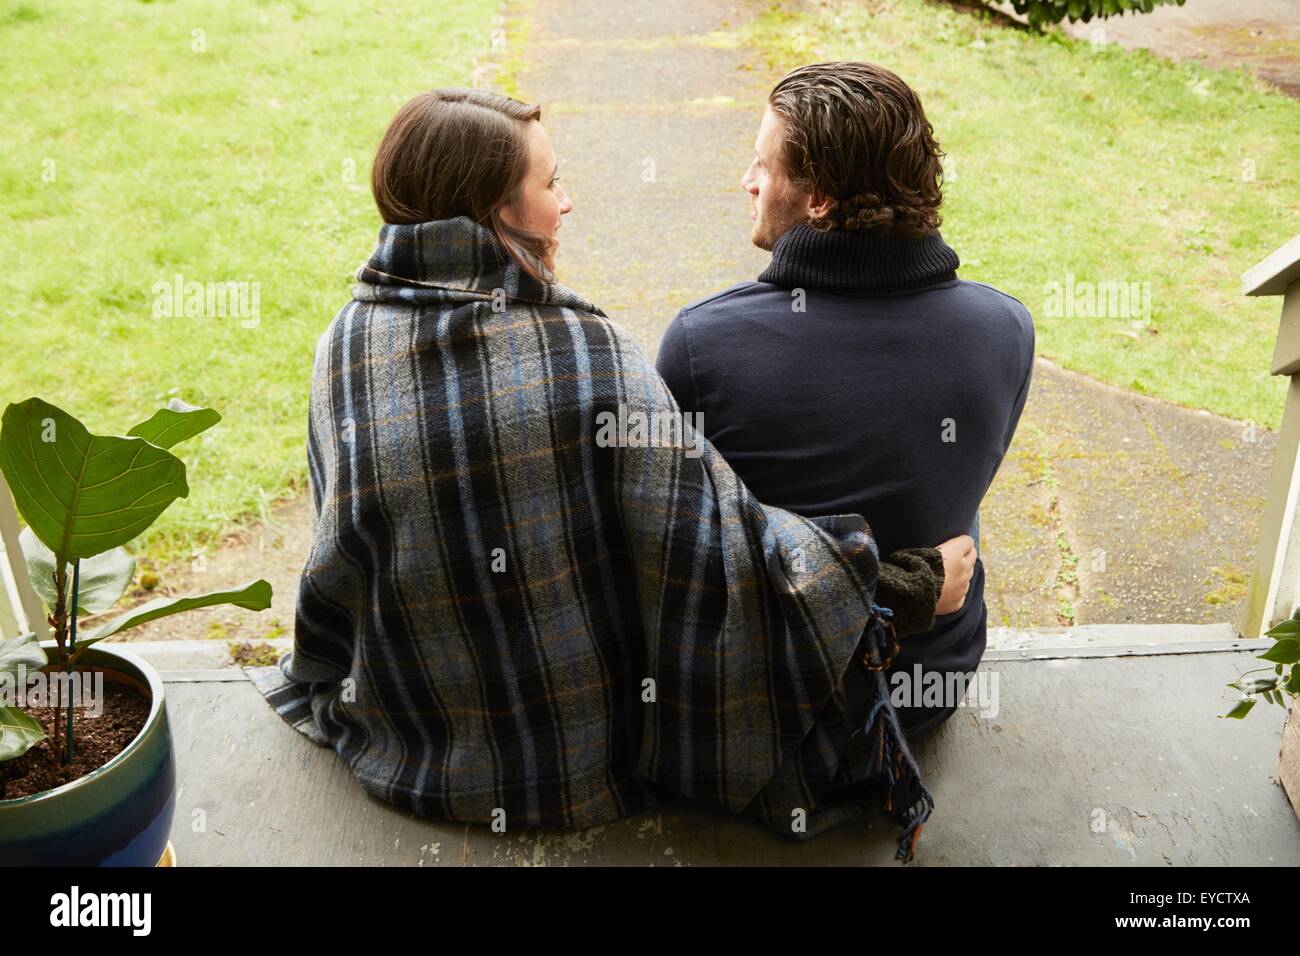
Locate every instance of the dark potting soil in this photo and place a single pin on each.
(96, 741)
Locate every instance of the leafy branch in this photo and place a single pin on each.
(1281, 682)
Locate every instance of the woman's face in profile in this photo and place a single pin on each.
(542, 200)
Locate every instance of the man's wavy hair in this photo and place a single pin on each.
(856, 133)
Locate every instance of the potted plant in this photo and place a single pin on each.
(1279, 684)
(103, 794)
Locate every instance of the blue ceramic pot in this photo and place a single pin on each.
(118, 815)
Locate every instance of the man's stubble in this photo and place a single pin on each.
(781, 215)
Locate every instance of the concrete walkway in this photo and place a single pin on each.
(1101, 754)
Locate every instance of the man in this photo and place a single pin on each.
(859, 374)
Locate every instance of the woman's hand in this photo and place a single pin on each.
(958, 566)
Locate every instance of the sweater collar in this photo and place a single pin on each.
(452, 260)
(859, 261)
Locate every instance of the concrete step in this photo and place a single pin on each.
(1102, 761)
(1114, 640)
(1084, 757)
(1004, 643)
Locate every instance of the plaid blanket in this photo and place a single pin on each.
(538, 597)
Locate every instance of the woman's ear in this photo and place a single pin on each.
(509, 213)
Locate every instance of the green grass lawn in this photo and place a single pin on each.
(1101, 164)
(129, 156)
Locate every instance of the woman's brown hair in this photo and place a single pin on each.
(857, 134)
(458, 152)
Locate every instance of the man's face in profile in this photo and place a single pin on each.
(777, 203)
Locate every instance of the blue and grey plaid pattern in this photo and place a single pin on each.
(501, 615)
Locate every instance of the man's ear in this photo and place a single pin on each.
(819, 206)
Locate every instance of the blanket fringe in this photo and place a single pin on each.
(907, 798)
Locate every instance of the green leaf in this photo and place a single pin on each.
(1240, 709)
(1292, 684)
(1288, 628)
(174, 424)
(19, 732)
(24, 651)
(1285, 651)
(83, 494)
(255, 596)
(104, 577)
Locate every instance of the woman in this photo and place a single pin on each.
(509, 616)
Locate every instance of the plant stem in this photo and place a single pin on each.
(60, 622)
(72, 641)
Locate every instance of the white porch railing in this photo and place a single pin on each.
(1275, 583)
(21, 609)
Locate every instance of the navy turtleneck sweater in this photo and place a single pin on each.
(860, 375)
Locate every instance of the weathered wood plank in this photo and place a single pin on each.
(1288, 763)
